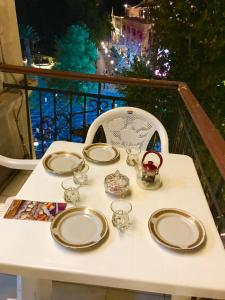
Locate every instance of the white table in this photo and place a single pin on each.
(132, 260)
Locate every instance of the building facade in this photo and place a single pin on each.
(133, 28)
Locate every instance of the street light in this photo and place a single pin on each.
(125, 6)
(112, 62)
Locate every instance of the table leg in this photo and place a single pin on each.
(33, 289)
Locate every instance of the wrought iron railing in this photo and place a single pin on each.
(190, 130)
(70, 115)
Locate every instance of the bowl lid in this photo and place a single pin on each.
(117, 179)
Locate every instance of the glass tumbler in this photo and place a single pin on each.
(80, 176)
(132, 155)
(71, 191)
(120, 217)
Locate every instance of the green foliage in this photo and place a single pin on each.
(75, 52)
(114, 53)
(144, 96)
(194, 32)
(28, 35)
(91, 14)
(28, 32)
(138, 69)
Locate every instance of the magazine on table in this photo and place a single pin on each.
(34, 210)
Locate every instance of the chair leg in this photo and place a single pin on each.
(33, 289)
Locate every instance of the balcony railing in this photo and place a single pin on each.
(63, 114)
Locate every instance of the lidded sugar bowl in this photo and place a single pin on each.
(117, 184)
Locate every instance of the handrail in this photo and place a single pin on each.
(90, 77)
(210, 135)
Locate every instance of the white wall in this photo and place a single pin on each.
(10, 49)
(13, 119)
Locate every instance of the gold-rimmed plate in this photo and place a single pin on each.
(62, 163)
(79, 228)
(176, 229)
(101, 153)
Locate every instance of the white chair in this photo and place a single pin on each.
(124, 126)
(11, 184)
(18, 164)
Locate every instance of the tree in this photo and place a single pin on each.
(75, 52)
(92, 14)
(28, 35)
(193, 31)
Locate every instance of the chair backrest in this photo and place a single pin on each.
(124, 126)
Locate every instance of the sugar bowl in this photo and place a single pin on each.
(117, 184)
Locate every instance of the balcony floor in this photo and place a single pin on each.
(14, 186)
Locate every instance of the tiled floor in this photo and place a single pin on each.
(14, 186)
(7, 286)
(8, 282)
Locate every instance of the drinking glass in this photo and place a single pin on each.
(78, 166)
(71, 191)
(120, 217)
(80, 176)
(132, 155)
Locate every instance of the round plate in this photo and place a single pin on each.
(61, 163)
(79, 228)
(101, 153)
(176, 229)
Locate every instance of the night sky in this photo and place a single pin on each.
(50, 17)
(118, 5)
(24, 6)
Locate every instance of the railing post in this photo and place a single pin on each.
(71, 115)
(28, 117)
(55, 116)
(41, 122)
(84, 117)
(99, 98)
